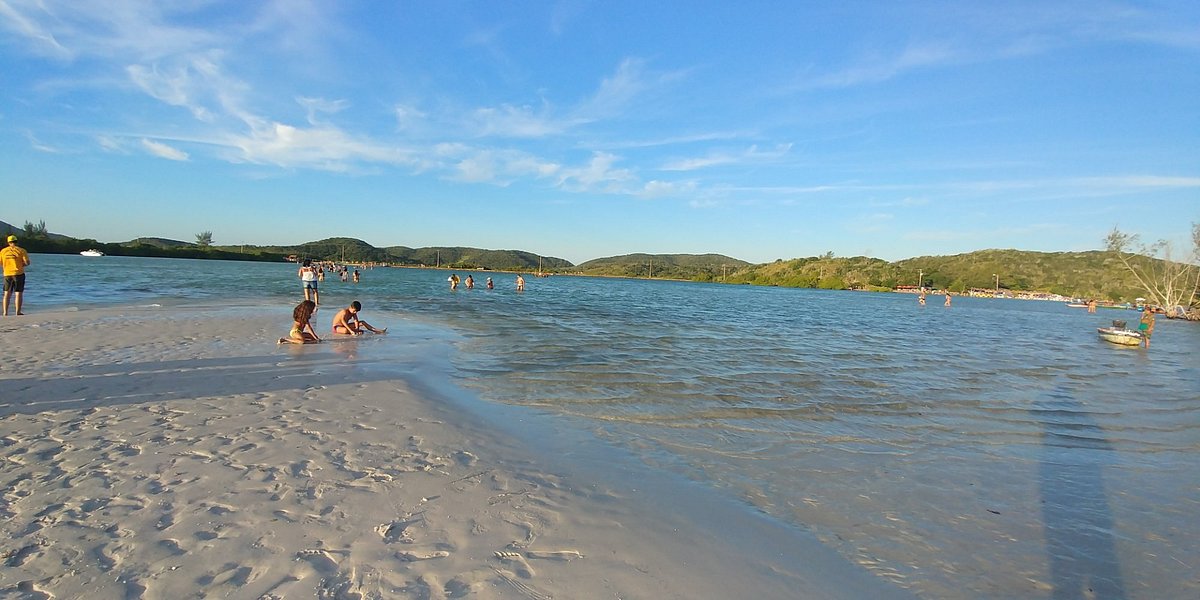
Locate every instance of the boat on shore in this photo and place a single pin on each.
(92, 252)
(1120, 336)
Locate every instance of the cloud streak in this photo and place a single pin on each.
(162, 150)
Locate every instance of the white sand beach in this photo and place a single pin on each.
(180, 453)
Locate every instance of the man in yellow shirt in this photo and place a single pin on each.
(15, 259)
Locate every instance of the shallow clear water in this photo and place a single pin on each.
(996, 448)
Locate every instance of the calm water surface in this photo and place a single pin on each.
(996, 448)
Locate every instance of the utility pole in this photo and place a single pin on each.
(996, 291)
(651, 269)
(921, 278)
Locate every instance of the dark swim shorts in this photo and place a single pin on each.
(14, 283)
(310, 285)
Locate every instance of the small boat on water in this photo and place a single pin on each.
(92, 252)
(1120, 335)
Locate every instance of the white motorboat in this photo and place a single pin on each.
(92, 252)
(1120, 335)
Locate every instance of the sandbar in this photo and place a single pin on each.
(178, 452)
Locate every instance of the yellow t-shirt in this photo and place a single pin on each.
(14, 260)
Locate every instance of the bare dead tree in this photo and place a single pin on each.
(1169, 279)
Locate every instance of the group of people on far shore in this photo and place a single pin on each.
(345, 321)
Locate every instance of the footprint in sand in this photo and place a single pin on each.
(304, 468)
(396, 531)
(231, 573)
(517, 561)
(320, 560)
(26, 552)
(563, 555)
(172, 546)
(524, 588)
(30, 591)
(409, 556)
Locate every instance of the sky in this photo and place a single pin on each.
(579, 129)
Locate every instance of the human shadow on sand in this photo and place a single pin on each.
(1075, 511)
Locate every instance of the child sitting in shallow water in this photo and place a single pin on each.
(302, 317)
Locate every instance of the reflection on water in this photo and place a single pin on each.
(994, 449)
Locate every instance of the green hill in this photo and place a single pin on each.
(1081, 274)
(692, 267)
(158, 242)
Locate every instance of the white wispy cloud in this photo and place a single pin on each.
(660, 189)
(883, 68)
(408, 117)
(318, 106)
(612, 97)
(38, 145)
(319, 147)
(11, 15)
(162, 150)
(598, 175)
(517, 121)
(753, 154)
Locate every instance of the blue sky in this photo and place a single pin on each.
(760, 130)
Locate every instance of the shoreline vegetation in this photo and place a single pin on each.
(1059, 276)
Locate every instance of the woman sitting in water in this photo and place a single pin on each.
(302, 315)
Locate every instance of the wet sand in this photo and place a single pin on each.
(179, 452)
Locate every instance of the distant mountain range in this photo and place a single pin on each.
(1078, 274)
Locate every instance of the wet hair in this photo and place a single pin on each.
(308, 262)
(304, 311)
(356, 306)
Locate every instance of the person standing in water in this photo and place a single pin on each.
(490, 284)
(947, 298)
(1146, 325)
(520, 283)
(453, 279)
(470, 282)
(308, 276)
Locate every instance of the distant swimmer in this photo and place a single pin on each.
(346, 321)
(453, 279)
(921, 298)
(302, 330)
(470, 282)
(356, 275)
(947, 298)
(490, 285)
(520, 283)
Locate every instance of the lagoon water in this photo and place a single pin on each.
(992, 449)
